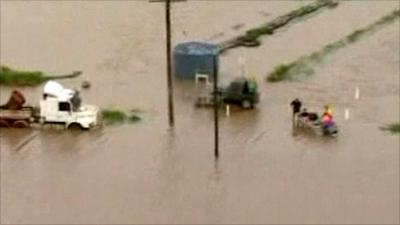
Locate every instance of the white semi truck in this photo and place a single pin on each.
(58, 105)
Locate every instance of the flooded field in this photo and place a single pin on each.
(147, 173)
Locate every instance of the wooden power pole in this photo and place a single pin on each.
(216, 107)
(170, 88)
(169, 66)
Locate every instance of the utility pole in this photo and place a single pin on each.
(216, 106)
(170, 88)
(169, 67)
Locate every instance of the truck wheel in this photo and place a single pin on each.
(20, 124)
(246, 104)
(4, 123)
(42, 120)
(75, 126)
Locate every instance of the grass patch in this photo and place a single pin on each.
(13, 77)
(114, 116)
(281, 72)
(251, 37)
(304, 65)
(394, 128)
(255, 33)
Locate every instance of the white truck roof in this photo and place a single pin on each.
(56, 90)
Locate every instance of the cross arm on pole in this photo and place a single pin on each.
(155, 1)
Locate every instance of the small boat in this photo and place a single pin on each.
(312, 122)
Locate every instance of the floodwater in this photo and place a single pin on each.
(147, 173)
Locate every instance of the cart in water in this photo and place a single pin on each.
(312, 121)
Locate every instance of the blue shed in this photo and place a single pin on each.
(191, 58)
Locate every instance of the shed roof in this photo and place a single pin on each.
(196, 48)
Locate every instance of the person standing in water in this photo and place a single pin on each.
(296, 107)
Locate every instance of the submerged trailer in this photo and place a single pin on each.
(17, 118)
(14, 113)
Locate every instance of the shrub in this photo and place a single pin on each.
(394, 128)
(114, 116)
(281, 72)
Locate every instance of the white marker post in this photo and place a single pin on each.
(347, 114)
(227, 110)
(357, 93)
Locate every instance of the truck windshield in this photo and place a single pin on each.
(76, 101)
(236, 87)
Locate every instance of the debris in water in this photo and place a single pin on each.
(85, 84)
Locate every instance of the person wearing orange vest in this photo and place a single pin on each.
(327, 116)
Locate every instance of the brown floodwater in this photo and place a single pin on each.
(147, 173)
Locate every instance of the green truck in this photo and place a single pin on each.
(241, 91)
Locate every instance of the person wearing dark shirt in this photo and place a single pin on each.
(296, 106)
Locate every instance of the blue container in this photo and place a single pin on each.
(191, 58)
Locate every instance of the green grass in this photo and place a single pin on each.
(394, 128)
(255, 33)
(281, 72)
(13, 77)
(252, 36)
(305, 64)
(115, 116)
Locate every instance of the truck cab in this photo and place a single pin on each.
(64, 106)
(241, 91)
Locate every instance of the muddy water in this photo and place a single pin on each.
(144, 173)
